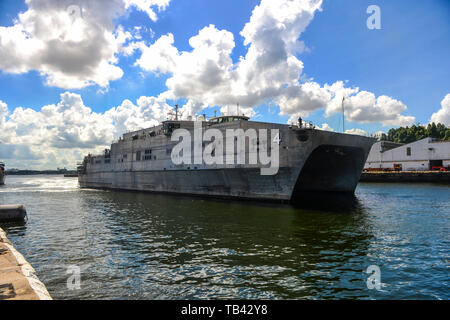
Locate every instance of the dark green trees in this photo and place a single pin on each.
(417, 132)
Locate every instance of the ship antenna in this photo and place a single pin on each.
(343, 115)
(238, 108)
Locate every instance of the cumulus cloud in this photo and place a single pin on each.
(147, 112)
(73, 44)
(160, 56)
(75, 53)
(356, 131)
(147, 6)
(67, 124)
(61, 134)
(3, 113)
(441, 116)
(325, 127)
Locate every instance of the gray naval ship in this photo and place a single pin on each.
(309, 160)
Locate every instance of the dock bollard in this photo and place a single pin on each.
(13, 212)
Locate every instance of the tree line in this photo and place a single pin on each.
(417, 132)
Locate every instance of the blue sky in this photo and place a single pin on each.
(407, 60)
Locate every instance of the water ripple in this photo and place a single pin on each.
(143, 246)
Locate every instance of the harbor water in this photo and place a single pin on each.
(131, 245)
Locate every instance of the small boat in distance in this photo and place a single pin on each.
(2, 173)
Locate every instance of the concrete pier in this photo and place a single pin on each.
(18, 280)
(406, 176)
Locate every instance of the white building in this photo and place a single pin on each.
(420, 155)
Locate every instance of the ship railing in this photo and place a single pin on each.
(304, 124)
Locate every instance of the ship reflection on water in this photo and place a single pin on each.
(328, 201)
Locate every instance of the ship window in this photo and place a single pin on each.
(138, 156)
(107, 160)
(125, 156)
(408, 151)
(98, 161)
(148, 154)
(168, 151)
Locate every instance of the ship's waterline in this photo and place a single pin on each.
(2, 173)
(306, 160)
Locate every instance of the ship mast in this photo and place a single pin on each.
(176, 112)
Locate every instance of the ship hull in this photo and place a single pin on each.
(310, 161)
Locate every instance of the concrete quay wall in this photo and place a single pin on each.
(406, 176)
(18, 279)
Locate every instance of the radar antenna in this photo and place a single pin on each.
(176, 113)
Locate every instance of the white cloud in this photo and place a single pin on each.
(378, 134)
(147, 6)
(71, 45)
(149, 111)
(203, 74)
(207, 75)
(3, 112)
(76, 53)
(270, 70)
(365, 107)
(443, 114)
(325, 127)
(61, 134)
(356, 131)
(299, 100)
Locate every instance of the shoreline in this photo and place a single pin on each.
(18, 279)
